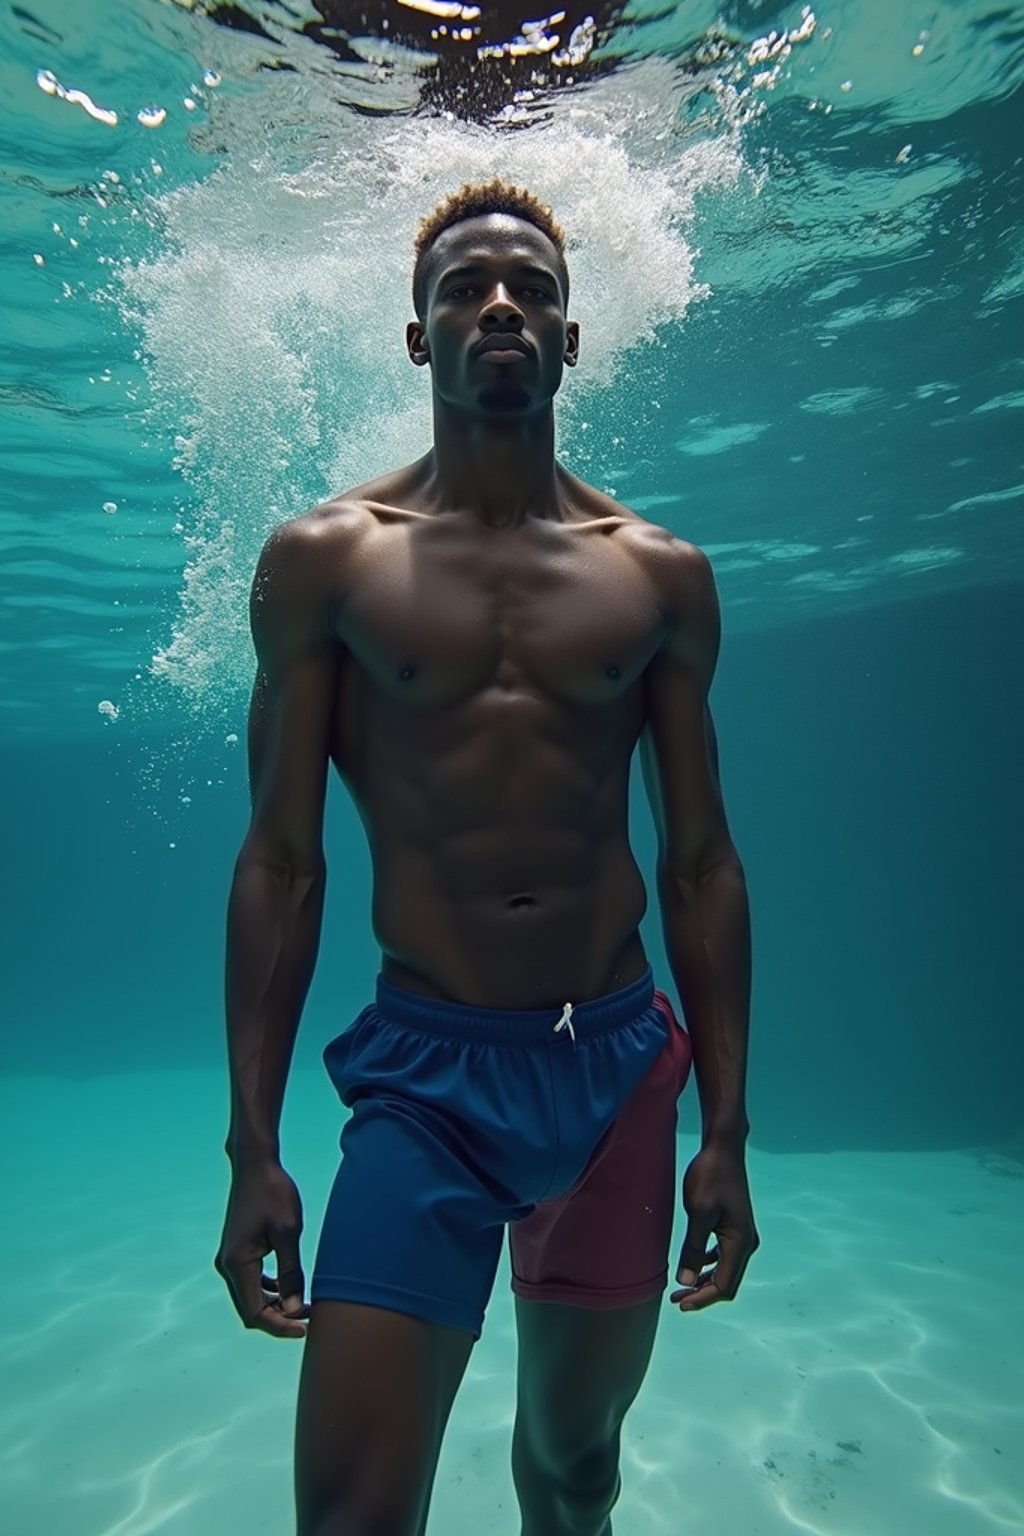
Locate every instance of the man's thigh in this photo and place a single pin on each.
(375, 1394)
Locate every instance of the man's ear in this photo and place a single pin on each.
(572, 343)
(416, 343)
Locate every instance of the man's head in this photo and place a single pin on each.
(471, 202)
(490, 289)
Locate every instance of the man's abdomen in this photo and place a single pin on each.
(501, 940)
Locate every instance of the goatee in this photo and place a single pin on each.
(507, 396)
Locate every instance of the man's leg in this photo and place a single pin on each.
(579, 1371)
(374, 1397)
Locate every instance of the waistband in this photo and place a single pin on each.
(511, 1026)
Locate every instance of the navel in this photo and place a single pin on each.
(406, 673)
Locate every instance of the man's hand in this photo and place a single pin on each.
(716, 1198)
(264, 1216)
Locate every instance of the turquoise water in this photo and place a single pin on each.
(796, 249)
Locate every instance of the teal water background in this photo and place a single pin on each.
(835, 417)
(801, 283)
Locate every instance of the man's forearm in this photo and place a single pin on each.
(274, 919)
(706, 924)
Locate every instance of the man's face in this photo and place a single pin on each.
(494, 330)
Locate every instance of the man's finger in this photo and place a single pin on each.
(244, 1276)
(735, 1256)
(694, 1253)
(269, 1314)
(273, 1321)
(704, 1295)
(291, 1282)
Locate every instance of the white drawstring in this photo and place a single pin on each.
(566, 1021)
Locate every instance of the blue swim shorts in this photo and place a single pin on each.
(556, 1123)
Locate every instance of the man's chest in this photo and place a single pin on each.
(436, 614)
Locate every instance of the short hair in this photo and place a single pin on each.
(472, 201)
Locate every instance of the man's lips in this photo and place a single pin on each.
(503, 346)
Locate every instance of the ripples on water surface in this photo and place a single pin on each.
(795, 241)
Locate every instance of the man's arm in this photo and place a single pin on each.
(277, 894)
(705, 913)
(275, 911)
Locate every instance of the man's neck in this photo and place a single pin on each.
(500, 472)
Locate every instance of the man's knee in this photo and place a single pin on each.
(584, 1492)
(593, 1478)
(582, 1471)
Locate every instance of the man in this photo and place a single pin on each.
(478, 641)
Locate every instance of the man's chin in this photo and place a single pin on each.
(504, 399)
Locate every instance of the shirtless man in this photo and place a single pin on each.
(478, 641)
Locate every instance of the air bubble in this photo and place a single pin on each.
(108, 710)
(212, 79)
(110, 507)
(230, 739)
(40, 261)
(152, 117)
(47, 81)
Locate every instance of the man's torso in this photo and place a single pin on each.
(490, 693)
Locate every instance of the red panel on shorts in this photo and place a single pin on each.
(605, 1242)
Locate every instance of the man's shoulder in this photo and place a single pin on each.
(679, 572)
(307, 548)
(342, 522)
(332, 522)
(667, 557)
(633, 527)
(303, 566)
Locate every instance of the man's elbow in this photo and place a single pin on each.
(680, 877)
(284, 858)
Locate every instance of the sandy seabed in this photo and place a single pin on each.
(868, 1381)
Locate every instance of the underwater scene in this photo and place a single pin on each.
(796, 243)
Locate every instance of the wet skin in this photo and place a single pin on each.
(479, 641)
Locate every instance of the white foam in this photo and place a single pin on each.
(273, 308)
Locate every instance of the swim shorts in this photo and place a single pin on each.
(556, 1123)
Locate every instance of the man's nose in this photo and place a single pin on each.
(500, 307)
